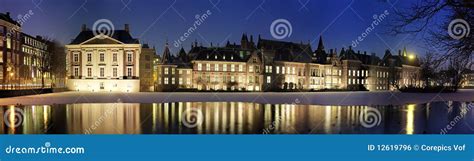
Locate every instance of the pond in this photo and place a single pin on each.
(238, 118)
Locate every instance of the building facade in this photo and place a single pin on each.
(24, 59)
(269, 65)
(98, 62)
(147, 60)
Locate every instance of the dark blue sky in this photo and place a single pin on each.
(339, 21)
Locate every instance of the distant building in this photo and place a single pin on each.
(24, 59)
(98, 62)
(147, 58)
(35, 70)
(277, 65)
(468, 80)
(173, 72)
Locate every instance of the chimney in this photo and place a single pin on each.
(358, 51)
(365, 52)
(330, 51)
(83, 27)
(400, 52)
(127, 28)
(8, 14)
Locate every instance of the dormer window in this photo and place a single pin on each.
(223, 57)
(215, 57)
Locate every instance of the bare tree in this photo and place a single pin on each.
(428, 68)
(436, 20)
(57, 63)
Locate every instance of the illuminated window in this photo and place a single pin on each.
(115, 72)
(101, 57)
(208, 67)
(172, 80)
(224, 67)
(89, 57)
(76, 72)
(166, 80)
(250, 68)
(199, 66)
(277, 69)
(9, 43)
(232, 67)
(172, 70)
(166, 71)
(129, 72)
(188, 81)
(180, 81)
(282, 70)
(180, 71)
(269, 79)
(89, 72)
(216, 67)
(102, 72)
(241, 68)
(76, 57)
(129, 57)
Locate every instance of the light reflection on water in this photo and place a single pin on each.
(235, 118)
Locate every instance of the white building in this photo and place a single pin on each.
(98, 62)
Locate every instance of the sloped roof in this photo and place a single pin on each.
(287, 51)
(222, 54)
(120, 35)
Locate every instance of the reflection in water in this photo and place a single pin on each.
(234, 118)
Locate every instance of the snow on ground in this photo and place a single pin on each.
(315, 98)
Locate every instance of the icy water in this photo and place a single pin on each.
(237, 118)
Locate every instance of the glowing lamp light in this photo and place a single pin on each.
(411, 56)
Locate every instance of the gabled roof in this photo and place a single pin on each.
(363, 58)
(120, 35)
(287, 51)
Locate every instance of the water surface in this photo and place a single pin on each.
(237, 118)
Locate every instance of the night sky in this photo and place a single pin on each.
(154, 22)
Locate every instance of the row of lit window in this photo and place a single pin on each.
(166, 71)
(358, 73)
(173, 81)
(102, 72)
(224, 68)
(102, 57)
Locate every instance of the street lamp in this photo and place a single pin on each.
(411, 56)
